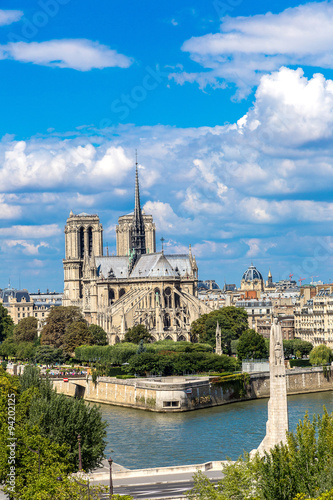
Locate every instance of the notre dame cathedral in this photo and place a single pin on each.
(137, 286)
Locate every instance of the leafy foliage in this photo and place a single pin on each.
(6, 324)
(290, 347)
(232, 320)
(26, 330)
(321, 355)
(98, 334)
(57, 321)
(61, 419)
(251, 345)
(300, 469)
(76, 334)
(137, 333)
(179, 363)
(49, 355)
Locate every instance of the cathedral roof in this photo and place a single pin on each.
(118, 265)
(181, 263)
(251, 274)
(149, 265)
(162, 268)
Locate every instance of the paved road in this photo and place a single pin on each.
(171, 485)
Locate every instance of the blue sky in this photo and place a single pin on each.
(229, 105)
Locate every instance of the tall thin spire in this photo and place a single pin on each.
(138, 230)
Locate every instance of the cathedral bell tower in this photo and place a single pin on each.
(83, 242)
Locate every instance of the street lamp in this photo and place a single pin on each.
(111, 484)
(80, 458)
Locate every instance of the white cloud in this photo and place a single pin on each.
(27, 247)
(78, 54)
(247, 47)
(9, 16)
(43, 231)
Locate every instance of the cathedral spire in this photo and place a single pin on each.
(138, 230)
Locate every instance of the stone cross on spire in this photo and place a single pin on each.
(138, 228)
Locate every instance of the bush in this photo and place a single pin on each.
(299, 362)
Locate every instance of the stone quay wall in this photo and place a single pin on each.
(174, 394)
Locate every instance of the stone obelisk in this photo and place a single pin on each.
(218, 348)
(277, 423)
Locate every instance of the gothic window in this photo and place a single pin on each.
(167, 322)
(81, 242)
(90, 241)
(111, 296)
(121, 292)
(167, 297)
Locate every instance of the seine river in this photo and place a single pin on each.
(141, 439)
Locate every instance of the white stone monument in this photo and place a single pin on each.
(218, 348)
(277, 423)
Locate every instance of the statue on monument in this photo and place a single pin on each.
(277, 423)
(218, 349)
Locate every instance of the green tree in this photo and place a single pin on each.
(58, 320)
(251, 345)
(137, 333)
(61, 419)
(290, 347)
(55, 459)
(26, 330)
(8, 347)
(6, 324)
(99, 335)
(300, 469)
(48, 355)
(321, 355)
(77, 333)
(233, 322)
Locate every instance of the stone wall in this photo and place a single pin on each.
(174, 394)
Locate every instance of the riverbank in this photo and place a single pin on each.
(179, 394)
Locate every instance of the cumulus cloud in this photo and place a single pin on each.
(27, 247)
(43, 231)
(248, 47)
(9, 16)
(78, 54)
(251, 189)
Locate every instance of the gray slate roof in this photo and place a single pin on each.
(119, 266)
(148, 265)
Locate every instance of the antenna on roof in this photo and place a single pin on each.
(107, 249)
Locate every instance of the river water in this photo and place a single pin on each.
(141, 439)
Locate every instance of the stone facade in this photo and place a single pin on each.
(173, 394)
(119, 292)
(314, 315)
(277, 423)
(124, 232)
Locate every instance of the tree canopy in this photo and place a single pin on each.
(251, 345)
(301, 469)
(26, 330)
(137, 333)
(6, 324)
(77, 333)
(233, 322)
(321, 355)
(58, 455)
(99, 335)
(57, 321)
